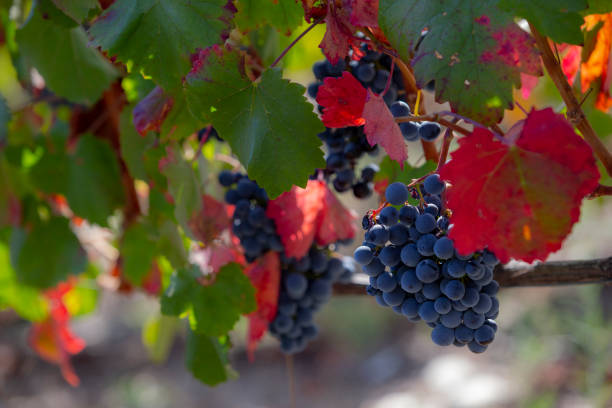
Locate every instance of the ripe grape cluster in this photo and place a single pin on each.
(256, 231)
(306, 285)
(415, 269)
(345, 146)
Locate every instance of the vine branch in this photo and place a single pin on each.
(434, 118)
(539, 274)
(574, 112)
(298, 38)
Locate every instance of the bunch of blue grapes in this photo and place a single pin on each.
(306, 285)
(346, 146)
(415, 269)
(256, 231)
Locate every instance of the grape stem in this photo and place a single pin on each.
(574, 112)
(298, 38)
(521, 275)
(601, 190)
(448, 138)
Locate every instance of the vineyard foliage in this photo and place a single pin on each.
(118, 116)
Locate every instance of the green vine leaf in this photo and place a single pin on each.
(215, 307)
(206, 358)
(76, 9)
(138, 249)
(47, 254)
(558, 20)
(159, 36)
(62, 56)
(90, 179)
(473, 50)
(28, 302)
(268, 123)
(285, 16)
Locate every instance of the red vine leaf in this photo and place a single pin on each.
(522, 198)
(380, 128)
(295, 213)
(343, 100)
(52, 338)
(265, 276)
(336, 222)
(151, 111)
(303, 215)
(364, 13)
(212, 218)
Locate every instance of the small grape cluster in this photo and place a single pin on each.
(412, 131)
(306, 285)
(345, 146)
(256, 231)
(415, 269)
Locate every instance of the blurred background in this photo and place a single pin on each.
(553, 349)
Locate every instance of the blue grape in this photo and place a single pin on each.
(427, 271)
(464, 334)
(282, 324)
(454, 290)
(473, 320)
(388, 216)
(390, 255)
(484, 335)
(379, 235)
(484, 304)
(409, 255)
(444, 248)
(386, 282)
(476, 348)
(431, 290)
(442, 336)
(494, 311)
(363, 255)
(410, 307)
(427, 312)
(410, 283)
(470, 298)
(408, 215)
(226, 178)
(381, 300)
(452, 319)
(396, 194)
(296, 285)
(410, 131)
(433, 185)
(433, 210)
(425, 223)
(429, 131)
(425, 244)
(491, 289)
(442, 223)
(374, 268)
(456, 268)
(398, 234)
(365, 73)
(395, 297)
(399, 108)
(442, 305)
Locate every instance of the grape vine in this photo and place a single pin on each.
(216, 180)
